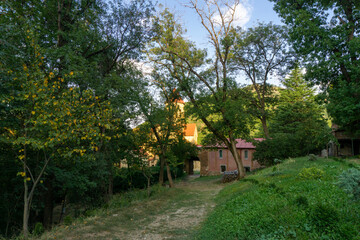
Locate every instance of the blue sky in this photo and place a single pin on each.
(250, 12)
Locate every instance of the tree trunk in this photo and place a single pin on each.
(26, 200)
(148, 187)
(110, 178)
(26, 212)
(48, 204)
(237, 159)
(161, 173)
(171, 183)
(265, 128)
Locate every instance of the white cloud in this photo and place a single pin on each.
(241, 17)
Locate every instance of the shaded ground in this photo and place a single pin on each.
(176, 214)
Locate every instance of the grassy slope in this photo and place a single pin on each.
(277, 204)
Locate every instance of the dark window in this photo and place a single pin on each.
(247, 169)
(246, 153)
(222, 168)
(220, 154)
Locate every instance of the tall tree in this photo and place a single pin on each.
(261, 53)
(207, 83)
(326, 35)
(298, 126)
(85, 46)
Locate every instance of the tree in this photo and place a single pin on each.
(53, 58)
(298, 126)
(326, 35)
(162, 124)
(261, 53)
(208, 84)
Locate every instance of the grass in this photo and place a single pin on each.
(278, 203)
(168, 213)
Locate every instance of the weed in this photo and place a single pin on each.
(68, 220)
(38, 229)
(349, 180)
(312, 157)
(311, 173)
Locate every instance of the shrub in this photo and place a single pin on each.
(312, 157)
(38, 229)
(349, 180)
(311, 173)
(324, 217)
(278, 147)
(68, 220)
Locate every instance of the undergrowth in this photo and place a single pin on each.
(303, 202)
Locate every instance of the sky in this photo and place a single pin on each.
(249, 13)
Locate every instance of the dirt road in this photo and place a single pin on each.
(175, 214)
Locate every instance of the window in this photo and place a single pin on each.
(222, 168)
(220, 153)
(246, 153)
(247, 169)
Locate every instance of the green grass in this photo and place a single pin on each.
(278, 203)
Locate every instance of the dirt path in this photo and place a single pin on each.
(176, 214)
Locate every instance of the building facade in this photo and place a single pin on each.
(216, 160)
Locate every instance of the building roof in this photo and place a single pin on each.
(241, 144)
(179, 101)
(244, 144)
(189, 129)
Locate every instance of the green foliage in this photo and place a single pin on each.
(312, 157)
(324, 217)
(326, 36)
(302, 201)
(38, 229)
(349, 180)
(65, 99)
(298, 126)
(264, 46)
(68, 220)
(282, 207)
(208, 83)
(311, 173)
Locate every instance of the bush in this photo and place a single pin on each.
(68, 220)
(38, 229)
(349, 180)
(278, 147)
(311, 173)
(312, 157)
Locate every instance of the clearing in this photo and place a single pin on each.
(171, 214)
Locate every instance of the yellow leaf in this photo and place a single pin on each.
(32, 112)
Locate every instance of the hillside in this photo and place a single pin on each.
(298, 199)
